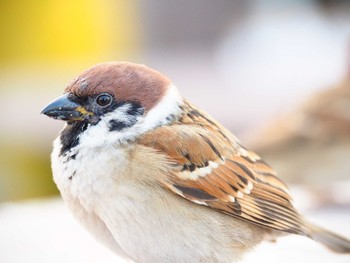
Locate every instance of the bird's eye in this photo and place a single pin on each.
(104, 99)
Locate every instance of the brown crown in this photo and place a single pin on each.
(126, 81)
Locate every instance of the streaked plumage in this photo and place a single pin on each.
(158, 180)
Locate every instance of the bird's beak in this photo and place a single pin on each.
(65, 109)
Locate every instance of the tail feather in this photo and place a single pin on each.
(331, 240)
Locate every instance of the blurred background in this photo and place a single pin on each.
(276, 73)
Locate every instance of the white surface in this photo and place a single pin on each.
(44, 231)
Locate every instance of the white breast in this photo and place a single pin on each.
(83, 172)
(149, 224)
(81, 182)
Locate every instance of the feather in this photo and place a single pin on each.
(220, 173)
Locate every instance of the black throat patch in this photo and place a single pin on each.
(70, 136)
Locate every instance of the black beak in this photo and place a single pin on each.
(65, 109)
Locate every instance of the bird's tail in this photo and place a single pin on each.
(331, 240)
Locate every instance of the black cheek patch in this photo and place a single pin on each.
(134, 111)
(115, 125)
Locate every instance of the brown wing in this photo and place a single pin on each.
(212, 169)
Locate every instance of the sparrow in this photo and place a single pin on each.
(158, 180)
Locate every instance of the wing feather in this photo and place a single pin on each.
(214, 170)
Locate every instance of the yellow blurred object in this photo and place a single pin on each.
(33, 31)
(43, 44)
(25, 171)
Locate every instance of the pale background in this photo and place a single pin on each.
(248, 63)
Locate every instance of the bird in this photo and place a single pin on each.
(156, 179)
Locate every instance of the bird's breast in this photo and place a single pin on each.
(87, 173)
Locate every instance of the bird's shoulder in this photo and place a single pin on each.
(210, 167)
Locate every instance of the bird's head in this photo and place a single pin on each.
(119, 98)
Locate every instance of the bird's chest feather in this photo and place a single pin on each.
(87, 174)
(112, 193)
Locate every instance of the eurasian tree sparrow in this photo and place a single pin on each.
(158, 180)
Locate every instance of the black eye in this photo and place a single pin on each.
(104, 99)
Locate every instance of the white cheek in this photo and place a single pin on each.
(169, 105)
(100, 134)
